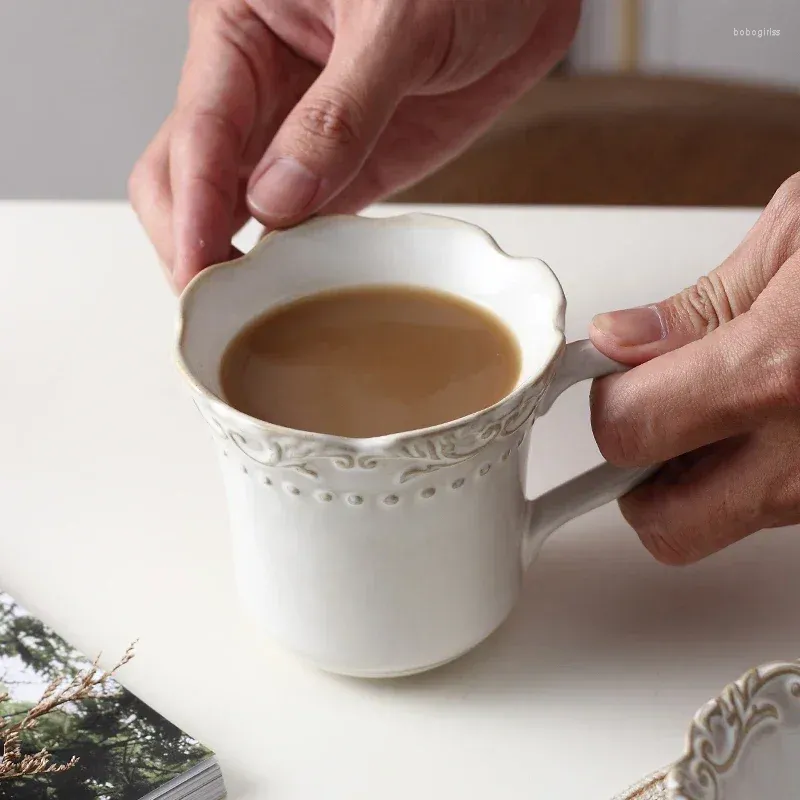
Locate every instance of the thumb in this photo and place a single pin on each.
(326, 138)
(636, 335)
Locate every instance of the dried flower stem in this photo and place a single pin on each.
(85, 684)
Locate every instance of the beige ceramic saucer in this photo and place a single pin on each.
(742, 745)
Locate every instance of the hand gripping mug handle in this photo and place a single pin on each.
(581, 361)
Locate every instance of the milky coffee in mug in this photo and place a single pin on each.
(370, 361)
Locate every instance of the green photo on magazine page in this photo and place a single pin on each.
(103, 743)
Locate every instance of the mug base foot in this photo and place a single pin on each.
(379, 673)
(388, 674)
(403, 672)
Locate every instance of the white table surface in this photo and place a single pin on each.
(113, 527)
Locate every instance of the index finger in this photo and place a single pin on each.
(225, 74)
(151, 196)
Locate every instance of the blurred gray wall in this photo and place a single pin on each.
(84, 84)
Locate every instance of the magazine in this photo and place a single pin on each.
(109, 746)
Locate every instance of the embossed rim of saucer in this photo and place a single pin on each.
(722, 728)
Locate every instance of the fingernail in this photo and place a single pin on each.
(631, 327)
(284, 190)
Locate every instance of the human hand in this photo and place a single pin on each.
(287, 108)
(717, 395)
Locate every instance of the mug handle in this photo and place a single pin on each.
(594, 488)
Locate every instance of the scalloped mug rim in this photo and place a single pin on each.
(376, 442)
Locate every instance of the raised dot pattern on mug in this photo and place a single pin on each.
(270, 461)
(392, 500)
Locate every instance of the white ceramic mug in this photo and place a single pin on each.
(392, 555)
